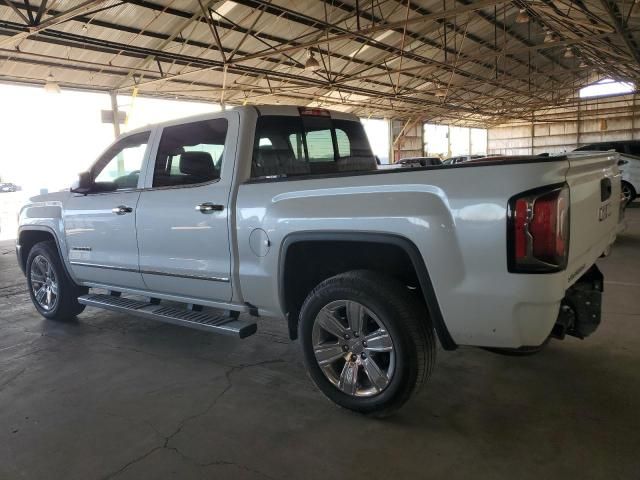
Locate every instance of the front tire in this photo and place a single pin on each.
(53, 293)
(367, 342)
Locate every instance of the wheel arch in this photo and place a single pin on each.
(31, 235)
(357, 239)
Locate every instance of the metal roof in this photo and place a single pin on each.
(450, 61)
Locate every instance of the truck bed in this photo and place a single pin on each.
(456, 216)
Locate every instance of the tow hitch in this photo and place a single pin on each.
(580, 310)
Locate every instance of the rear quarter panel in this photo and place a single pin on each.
(455, 216)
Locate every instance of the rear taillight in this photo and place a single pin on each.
(538, 230)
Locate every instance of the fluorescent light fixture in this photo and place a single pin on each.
(440, 92)
(222, 10)
(311, 64)
(424, 86)
(379, 38)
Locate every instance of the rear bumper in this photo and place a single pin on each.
(523, 310)
(577, 314)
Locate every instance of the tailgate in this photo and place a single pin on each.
(594, 182)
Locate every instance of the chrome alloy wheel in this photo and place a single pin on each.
(626, 193)
(353, 348)
(44, 283)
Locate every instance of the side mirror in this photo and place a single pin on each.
(83, 184)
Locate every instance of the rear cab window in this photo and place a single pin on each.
(288, 146)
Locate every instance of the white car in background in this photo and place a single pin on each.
(8, 187)
(629, 164)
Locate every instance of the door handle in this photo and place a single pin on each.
(209, 207)
(121, 210)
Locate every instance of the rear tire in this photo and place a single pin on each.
(628, 192)
(378, 346)
(52, 291)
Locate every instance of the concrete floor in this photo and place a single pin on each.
(115, 397)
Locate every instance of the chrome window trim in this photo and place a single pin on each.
(174, 187)
(150, 189)
(107, 267)
(93, 194)
(150, 272)
(180, 275)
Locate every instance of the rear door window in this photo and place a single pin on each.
(191, 153)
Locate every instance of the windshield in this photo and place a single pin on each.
(307, 145)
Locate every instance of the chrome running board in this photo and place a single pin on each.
(225, 324)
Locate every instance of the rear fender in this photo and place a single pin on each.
(406, 245)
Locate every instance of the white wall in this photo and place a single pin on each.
(559, 130)
(48, 138)
(377, 131)
(450, 141)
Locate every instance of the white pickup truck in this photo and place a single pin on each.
(278, 211)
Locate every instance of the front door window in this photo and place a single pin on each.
(119, 167)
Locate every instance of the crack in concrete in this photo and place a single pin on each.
(212, 463)
(132, 462)
(167, 440)
(11, 379)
